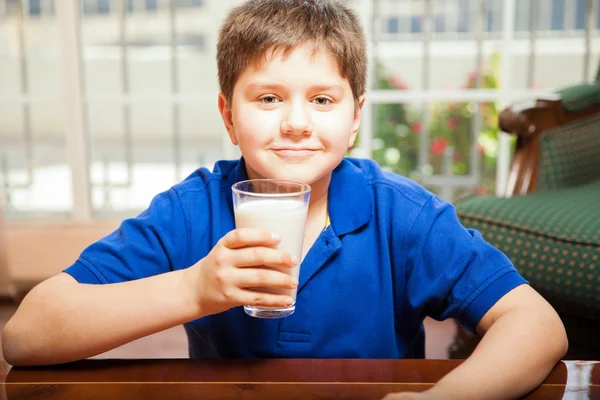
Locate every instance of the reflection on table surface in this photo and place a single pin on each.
(264, 379)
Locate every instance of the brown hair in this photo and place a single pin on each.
(257, 26)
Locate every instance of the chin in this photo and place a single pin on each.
(297, 176)
(306, 172)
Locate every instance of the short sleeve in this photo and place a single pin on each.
(152, 243)
(452, 271)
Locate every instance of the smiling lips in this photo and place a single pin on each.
(294, 152)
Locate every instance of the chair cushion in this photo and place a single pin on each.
(579, 97)
(553, 238)
(569, 155)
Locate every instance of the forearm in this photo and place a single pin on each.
(514, 357)
(60, 322)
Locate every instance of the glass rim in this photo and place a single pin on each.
(305, 188)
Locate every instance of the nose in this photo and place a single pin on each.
(296, 120)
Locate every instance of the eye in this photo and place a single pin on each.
(322, 101)
(269, 100)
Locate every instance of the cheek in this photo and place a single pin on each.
(255, 126)
(334, 128)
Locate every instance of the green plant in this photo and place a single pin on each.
(395, 146)
(450, 127)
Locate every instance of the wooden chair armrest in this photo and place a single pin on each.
(527, 120)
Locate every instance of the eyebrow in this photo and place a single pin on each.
(274, 86)
(328, 88)
(264, 86)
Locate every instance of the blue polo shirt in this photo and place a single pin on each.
(393, 254)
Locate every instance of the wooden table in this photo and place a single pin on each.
(263, 379)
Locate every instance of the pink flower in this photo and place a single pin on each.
(480, 191)
(438, 146)
(472, 80)
(398, 83)
(452, 123)
(417, 127)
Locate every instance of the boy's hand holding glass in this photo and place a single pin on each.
(232, 273)
(280, 207)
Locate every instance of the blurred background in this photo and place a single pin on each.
(105, 103)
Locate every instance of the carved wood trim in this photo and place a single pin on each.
(527, 121)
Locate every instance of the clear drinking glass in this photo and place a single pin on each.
(279, 207)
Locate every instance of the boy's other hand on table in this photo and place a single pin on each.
(427, 395)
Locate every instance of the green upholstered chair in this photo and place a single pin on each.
(549, 222)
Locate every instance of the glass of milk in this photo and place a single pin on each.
(279, 207)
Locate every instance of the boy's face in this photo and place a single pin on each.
(294, 118)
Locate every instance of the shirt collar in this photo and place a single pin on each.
(350, 202)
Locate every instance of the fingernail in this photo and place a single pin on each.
(294, 282)
(275, 237)
(289, 301)
(294, 260)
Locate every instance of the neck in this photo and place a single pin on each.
(318, 198)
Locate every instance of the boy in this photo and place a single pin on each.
(292, 75)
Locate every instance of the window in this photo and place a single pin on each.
(34, 7)
(103, 6)
(494, 15)
(416, 25)
(96, 7)
(151, 5)
(580, 7)
(523, 15)
(392, 25)
(463, 15)
(557, 17)
(188, 3)
(439, 23)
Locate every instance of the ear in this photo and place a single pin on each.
(227, 116)
(356, 121)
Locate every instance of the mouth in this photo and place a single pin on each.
(294, 152)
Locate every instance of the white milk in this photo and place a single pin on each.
(286, 217)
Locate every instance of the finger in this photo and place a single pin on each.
(403, 396)
(264, 277)
(244, 237)
(260, 299)
(256, 256)
(394, 396)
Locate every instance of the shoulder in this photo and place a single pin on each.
(386, 184)
(201, 188)
(204, 180)
(400, 203)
